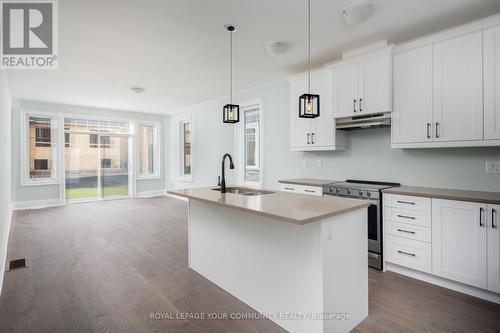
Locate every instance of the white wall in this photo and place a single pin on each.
(369, 155)
(5, 160)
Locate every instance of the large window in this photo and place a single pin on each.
(186, 147)
(149, 152)
(39, 148)
(249, 145)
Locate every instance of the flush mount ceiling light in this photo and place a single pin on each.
(138, 90)
(309, 103)
(276, 48)
(231, 112)
(358, 12)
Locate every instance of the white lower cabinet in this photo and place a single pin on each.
(410, 253)
(493, 226)
(459, 241)
(302, 189)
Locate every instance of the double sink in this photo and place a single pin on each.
(244, 191)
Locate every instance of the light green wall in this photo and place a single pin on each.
(369, 155)
(49, 192)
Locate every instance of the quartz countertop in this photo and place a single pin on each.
(284, 206)
(443, 193)
(308, 181)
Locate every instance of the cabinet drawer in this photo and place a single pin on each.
(407, 202)
(414, 217)
(409, 253)
(302, 189)
(408, 231)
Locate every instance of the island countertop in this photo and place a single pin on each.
(284, 206)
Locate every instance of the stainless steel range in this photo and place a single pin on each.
(367, 191)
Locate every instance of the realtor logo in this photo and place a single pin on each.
(29, 34)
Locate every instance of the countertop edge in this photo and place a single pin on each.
(445, 196)
(272, 216)
(305, 183)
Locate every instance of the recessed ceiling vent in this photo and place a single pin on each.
(361, 122)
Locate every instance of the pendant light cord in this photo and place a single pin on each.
(230, 67)
(309, 45)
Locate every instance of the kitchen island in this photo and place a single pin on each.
(298, 260)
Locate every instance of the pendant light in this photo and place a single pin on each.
(231, 112)
(309, 103)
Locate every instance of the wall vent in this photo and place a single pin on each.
(17, 264)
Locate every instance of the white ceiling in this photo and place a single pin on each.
(178, 50)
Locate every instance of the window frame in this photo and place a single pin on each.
(54, 147)
(156, 151)
(239, 135)
(183, 176)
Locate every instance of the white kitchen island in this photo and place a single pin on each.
(299, 260)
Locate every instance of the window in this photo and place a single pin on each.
(249, 145)
(38, 148)
(186, 147)
(149, 152)
(105, 163)
(94, 139)
(66, 139)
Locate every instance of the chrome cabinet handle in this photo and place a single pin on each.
(406, 217)
(354, 105)
(360, 109)
(308, 139)
(428, 130)
(407, 253)
(312, 138)
(493, 213)
(481, 224)
(289, 188)
(408, 232)
(309, 191)
(437, 130)
(406, 202)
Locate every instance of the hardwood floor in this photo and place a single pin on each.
(105, 267)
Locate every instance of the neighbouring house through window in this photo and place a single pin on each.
(41, 164)
(148, 151)
(186, 159)
(250, 136)
(39, 147)
(105, 163)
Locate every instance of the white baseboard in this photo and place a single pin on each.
(36, 204)
(149, 194)
(445, 283)
(4, 247)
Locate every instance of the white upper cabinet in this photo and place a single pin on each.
(318, 133)
(491, 39)
(493, 226)
(412, 119)
(362, 84)
(458, 88)
(459, 232)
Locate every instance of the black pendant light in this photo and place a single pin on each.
(309, 103)
(231, 112)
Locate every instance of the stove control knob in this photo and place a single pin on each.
(369, 194)
(360, 192)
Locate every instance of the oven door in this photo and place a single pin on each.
(374, 228)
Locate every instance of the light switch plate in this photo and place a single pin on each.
(492, 166)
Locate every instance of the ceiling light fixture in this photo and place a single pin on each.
(309, 103)
(276, 48)
(358, 12)
(138, 90)
(231, 112)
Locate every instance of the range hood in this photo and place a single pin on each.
(360, 122)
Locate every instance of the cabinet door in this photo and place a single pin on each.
(323, 127)
(300, 128)
(493, 222)
(458, 88)
(374, 85)
(412, 115)
(459, 241)
(345, 96)
(492, 83)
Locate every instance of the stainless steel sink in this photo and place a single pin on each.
(244, 191)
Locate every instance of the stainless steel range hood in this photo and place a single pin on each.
(360, 122)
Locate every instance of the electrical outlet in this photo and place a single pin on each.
(492, 166)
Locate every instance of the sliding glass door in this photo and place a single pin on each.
(96, 159)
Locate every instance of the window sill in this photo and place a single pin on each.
(185, 179)
(40, 183)
(148, 177)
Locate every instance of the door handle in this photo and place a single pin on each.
(360, 109)
(289, 188)
(481, 224)
(493, 213)
(406, 202)
(428, 130)
(406, 217)
(437, 130)
(312, 138)
(407, 253)
(308, 139)
(354, 105)
(408, 232)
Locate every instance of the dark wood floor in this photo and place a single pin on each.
(104, 267)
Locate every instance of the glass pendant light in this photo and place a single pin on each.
(231, 112)
(309, 103)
